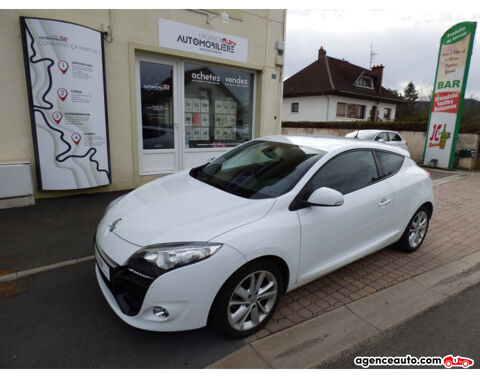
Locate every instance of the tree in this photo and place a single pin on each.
(410, 93)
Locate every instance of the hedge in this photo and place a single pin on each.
(473, 127)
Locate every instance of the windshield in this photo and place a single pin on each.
(258, 169)
(366, 134)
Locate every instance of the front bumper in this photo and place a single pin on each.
(187, 293)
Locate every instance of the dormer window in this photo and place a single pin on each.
(365, 82)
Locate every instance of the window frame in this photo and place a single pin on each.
(387, 139)
(380, 163)
(389, 113)
(299, 202)
(390, 136)
(366, 78)
(344, 115)
(292, 106)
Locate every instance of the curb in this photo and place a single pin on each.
(30, 272)
(317, 340)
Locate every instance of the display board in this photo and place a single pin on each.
(449, 91)
(65, 72)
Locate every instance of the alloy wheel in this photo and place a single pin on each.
(252, 300)
(418, 229)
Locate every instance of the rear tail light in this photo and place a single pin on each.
(428, 173)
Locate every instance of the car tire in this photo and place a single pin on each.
(248, 299)
(416, 231)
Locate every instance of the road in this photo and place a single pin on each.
(449, 328)
(63, 321)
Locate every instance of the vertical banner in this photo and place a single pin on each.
(447, 104)
(65, 71)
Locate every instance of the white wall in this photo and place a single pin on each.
(324, 108)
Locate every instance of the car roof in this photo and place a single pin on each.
(379, 131)
(330, 143)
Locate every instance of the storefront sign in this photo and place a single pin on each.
(450, 82)
(64, 67)
(178, 36)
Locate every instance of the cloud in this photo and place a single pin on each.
(407, 43)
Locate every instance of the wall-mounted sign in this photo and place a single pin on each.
(178, 36)
(64, 66)
(447, 104)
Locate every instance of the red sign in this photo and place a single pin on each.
(446, 102)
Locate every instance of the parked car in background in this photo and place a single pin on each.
(383, 136)
(221, 243)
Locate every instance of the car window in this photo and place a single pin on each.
(258, 169)
(383, 136)
(365, 134)
(348, 172)
(391, 163)
(394, 137)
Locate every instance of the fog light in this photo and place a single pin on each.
(160, 312)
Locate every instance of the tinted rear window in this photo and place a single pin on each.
(391, 163)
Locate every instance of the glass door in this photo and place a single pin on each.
(157, 115)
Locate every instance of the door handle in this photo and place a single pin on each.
(384, 202)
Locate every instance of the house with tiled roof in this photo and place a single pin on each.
(332, 89)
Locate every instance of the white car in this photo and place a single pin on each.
(221, 243)
(384, 136)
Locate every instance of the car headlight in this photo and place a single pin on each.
(113, 203)
(154, 260)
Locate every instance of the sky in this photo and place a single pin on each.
(406, 40)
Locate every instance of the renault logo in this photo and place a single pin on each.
(114, 224)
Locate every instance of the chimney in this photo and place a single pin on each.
(321, 53)
(379, 71)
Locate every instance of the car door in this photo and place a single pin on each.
(333, 236)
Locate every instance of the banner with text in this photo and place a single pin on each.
(64, 66)
(447, 103)
(189, 38)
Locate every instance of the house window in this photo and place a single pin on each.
(294, 107)
(341, 109)
(356, 111)
(366, 82)
(387, 113)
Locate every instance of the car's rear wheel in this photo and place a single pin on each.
(416, 231)
(248, 299)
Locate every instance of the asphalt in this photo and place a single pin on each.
(449, 328)
(51, 231)
(63, 321)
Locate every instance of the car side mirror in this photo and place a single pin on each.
(381, 140)
(325, 197)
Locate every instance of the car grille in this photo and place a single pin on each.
(128, 287)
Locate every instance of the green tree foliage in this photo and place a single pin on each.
(410, 93)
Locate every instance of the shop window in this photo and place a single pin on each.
(294, 107)
(218, 106)
(341, 109)
(387, 113)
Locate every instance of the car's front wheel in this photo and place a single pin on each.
(248, 299)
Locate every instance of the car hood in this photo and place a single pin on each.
(178, 208)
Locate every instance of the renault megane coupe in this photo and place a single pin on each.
(219, 244)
